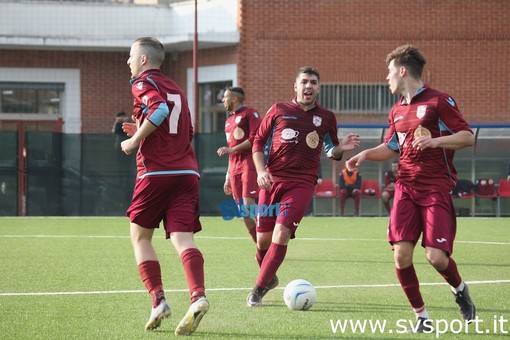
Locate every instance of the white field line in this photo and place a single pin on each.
(488, 282)
(238, 238)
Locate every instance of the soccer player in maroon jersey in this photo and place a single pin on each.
(425, 128)
(166, 187)
(390, 177)
(240, 129)
(299, 129)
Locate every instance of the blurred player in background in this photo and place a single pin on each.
(349, 185)
(425, 128)
(390, 177)
(166, 187)
(299, 129)
(240, 129)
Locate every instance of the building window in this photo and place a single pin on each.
(212, 113)
(39, 98)
(357, 98)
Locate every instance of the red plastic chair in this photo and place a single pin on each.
(370, 188)
(503, 192)
(325, 190)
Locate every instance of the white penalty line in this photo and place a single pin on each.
(243, 289)
(240, 238)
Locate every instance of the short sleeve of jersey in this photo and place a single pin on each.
(450, 115)
(264, 131)
(254, 123)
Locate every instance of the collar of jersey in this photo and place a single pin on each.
(420, 90)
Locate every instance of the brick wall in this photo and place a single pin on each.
(466, 43)
(105, 88)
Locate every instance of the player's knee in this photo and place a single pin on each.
(438, 260)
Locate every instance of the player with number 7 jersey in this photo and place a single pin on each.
(166, 151)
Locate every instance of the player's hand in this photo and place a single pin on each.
(224, 151)
(129, 129)
(128, 146)
(354, 162)
(425, 142)
(227, 188)
(265, 180)
(350, 142)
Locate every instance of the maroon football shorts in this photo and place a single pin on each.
(290, 199)
(171, 199)
(244, 185)
(429, 213)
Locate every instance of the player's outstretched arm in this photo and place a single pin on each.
(380, 153)
(348, 143)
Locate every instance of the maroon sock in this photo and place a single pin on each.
(271, 263)
(451, 274)
(150, 272)
(193, 263)
(253, 234)
(409, 282)
(260, 256)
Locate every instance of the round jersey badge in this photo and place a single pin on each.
(312, 139)
(238, 133)
(421, 132)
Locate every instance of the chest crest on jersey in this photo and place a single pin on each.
(420, 111)
(317, 121)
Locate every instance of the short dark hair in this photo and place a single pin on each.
(410, 57)
(308, 70)
(153, 48)
(237, 91)
(121, 114)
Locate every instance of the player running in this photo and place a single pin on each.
(426, 128)
(166, 187)
(299, 129)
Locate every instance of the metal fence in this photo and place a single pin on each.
(87, 174)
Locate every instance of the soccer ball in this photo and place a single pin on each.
(299, 295)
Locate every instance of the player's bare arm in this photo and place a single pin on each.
(380, 153)
(225, 150)
(264, 179)
(456, 141)
(131, 144)
(348, 143)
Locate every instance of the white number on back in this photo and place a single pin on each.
(176, 111)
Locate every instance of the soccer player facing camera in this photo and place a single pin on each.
(240, 129)
(425, 128)
(299, 129)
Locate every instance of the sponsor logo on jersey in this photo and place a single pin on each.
(289, 117)
(256, 114)
(238, 119)
(398, 118)
(289, 136)
(420, 112)
(317, 121)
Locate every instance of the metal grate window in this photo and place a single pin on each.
(40, 98)
(357, 98)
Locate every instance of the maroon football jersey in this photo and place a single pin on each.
(240, 126)
(298, 137)
(429, 169)
(167, 150)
